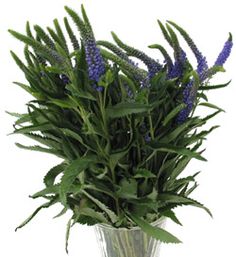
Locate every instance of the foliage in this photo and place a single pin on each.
(126, 138)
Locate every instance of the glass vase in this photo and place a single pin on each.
(124, 242)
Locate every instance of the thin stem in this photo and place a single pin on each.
(151, 125)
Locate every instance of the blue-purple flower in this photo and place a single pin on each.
(202, 67)
(225, 53)
(189, 95)
(178, 67)
(95, 62)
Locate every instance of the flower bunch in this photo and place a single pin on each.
(124, 134)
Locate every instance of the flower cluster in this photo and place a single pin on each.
(224, 54)
(95, 62)
(177, 69)
(189, 95)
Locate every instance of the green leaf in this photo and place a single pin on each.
(94, 214)
(71, 172)
(102, 206)
(42, 127)
(155, 232)
(64, 103)
(68, 228)
(124, 109)
(214, 86)
(62, 212)
(211, 106)
(180, 166)
(173, 113)
(170, 214)
(173, 135)
(80, 93)
(41, 149)
(44, 206)
(172, 198)
(44, 140)
(115, 157)
(144, 173)
(14, 114)
(51, 190)
(128, 189)
(53, 173)
(159, 147)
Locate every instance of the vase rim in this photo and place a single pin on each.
(106, 226)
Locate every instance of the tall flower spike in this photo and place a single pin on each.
(152, 65)
(189, 96)
(138, 74)
(95, 62)
(166, 56)
(225, 53)
(71, 35)
(116, 50)
(201, 60)
(178, 67)
(180, 55)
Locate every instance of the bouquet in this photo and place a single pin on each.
(124, 134)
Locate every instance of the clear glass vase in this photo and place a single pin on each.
(124, 242)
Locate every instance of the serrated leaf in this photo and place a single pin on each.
(102, 206)
(94, 214)
(53, 173)
(42, 127)
(170, 214)
(172, 198)
(43, 206)
(71, 172)
(54, 189)
(155, 232)
(159, 147)
(212, 87)
(41, 149)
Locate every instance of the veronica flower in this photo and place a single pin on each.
(95, 62)
(225, 53)
(202, 67)
(177, 68)
(189, 95)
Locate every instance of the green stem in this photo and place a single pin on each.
(151, 125)
(113, 175)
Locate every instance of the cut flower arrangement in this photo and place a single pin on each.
(125, 134)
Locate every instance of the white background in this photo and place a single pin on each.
(22, 172)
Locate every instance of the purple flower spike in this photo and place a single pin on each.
(177, 69)
(189, 95)
(225, 53)
(95, 62)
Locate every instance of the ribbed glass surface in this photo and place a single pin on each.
(127, 242)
